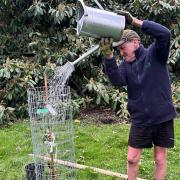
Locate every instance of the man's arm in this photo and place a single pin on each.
(161, 34)
(115, 73)
(162, 37)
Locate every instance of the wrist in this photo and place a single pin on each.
(136, 22)
(110, 56)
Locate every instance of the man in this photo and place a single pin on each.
(144, 72)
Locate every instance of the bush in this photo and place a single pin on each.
(16, 77)
(39, 35)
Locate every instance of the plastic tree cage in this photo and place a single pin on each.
(50, 114)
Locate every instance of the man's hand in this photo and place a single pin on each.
(106, 47)
(129, 18)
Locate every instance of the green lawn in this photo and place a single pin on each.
(102, 146)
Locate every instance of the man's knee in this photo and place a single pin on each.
(160, 161)
(160, 158)
(133, 160)
(133, 155)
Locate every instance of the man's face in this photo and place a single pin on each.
(127, 50)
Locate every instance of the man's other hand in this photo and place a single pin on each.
(128, 16)
(106, 47)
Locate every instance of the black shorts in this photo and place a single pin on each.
(158, 135)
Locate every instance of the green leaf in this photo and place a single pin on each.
(98, 99)
(106, 98)
(9, 96)
(7, 74)
(1, 72)
(10, 108)
(33, 44)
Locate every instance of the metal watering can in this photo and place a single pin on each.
(99, 23)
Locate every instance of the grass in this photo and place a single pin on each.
(102, 146)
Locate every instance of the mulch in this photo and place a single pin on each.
(100, 115)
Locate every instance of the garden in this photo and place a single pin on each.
(36, 37)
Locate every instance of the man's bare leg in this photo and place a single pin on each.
(160, 157)
(133, 158)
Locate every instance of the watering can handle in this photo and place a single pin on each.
(86, 54)
(98, 4)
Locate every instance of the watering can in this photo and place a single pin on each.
(98, 23)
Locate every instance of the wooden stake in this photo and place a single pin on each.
(52, 171)
(80, 166)
(46, 87)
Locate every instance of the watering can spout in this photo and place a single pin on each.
(98, 23)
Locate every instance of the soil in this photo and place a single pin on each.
(100, 115)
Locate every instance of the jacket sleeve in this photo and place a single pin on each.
(162, 36)
(115, 73)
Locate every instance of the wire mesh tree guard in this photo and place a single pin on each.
(50, 114)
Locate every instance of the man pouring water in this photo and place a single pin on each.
(144, 72)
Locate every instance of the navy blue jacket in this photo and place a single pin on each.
(147, 79)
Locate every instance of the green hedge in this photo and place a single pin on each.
(38, 35)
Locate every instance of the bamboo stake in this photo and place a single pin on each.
(46, 87)
(52, 171)
(80, 166)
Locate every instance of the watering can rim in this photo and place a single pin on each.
(86, 11)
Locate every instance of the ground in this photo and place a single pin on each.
(100, 115)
